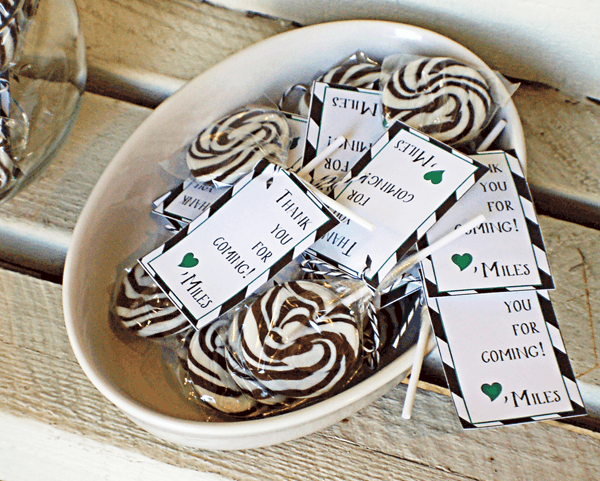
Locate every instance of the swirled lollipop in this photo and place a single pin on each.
(208, 370)
(361, 75)
(439, 96)
(231, 146)
(144, 309)
(294, 341)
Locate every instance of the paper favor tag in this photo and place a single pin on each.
(344, 111)
(506, 252)
(504, 358)
(403, 184)
(265, 220)
(187, 201)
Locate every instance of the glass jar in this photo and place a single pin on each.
(42, 78)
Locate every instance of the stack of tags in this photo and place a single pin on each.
(487, 292)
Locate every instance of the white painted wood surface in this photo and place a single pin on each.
(34, 450)
(562, 137)
(35, 228)
(549, 41)
(53, 419)
(176, 38)
(143, 50)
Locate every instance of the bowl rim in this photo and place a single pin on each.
(313, 412)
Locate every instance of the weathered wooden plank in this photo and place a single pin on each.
(179, 38)
(562, 138)
(43, 382)
(36, 225)
(34, 450)
(374, 444)
(573, 253)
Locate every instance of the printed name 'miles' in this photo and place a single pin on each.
(266, 220)
(399, 184)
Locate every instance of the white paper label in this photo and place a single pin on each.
(189, 200)
(337, 111)
(500, 252)
(499, 351)
(265, 220)
(398, 185)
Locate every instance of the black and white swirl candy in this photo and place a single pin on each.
(142, 307)
(361, 75)
(233, 145)
(208, 370)
(289, 345)
(439, 96)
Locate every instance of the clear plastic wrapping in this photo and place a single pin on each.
(440, 96)
(142, 308)
(358, 70)
(309, 333)
(296, 341)
(231, 146)
(208, 374)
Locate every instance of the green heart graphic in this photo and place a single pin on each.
(435, 177)
(189, 260)
(492, 391)
(462, 261)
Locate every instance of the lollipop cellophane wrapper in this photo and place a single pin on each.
(431, 100)
(296, 98)
(295, 359)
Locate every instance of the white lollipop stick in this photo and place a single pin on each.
(328, 201)
(493, 135)
(417, 257)
(415, 371)
(333, 204)
(425, 327)
(330, 149)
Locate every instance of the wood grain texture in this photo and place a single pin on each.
(573, 253)
(43, 383)
(178, 38)
(562, 137)
(87, 459)
(36, 225)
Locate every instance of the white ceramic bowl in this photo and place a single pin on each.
(115, 226)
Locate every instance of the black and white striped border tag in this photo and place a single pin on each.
(169, 222)
(419, 233)
(316, 114)
(269, 273)
(566, 371)
(535, 234)
(162, 208)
